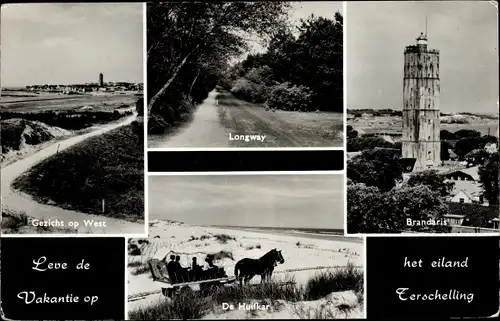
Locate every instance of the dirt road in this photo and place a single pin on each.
(17, 201)
(204, 130)
(223, 120)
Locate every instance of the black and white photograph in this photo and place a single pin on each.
(245, 74)
(260, 246)
(422, 117)
(72, 120)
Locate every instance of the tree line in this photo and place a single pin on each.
(468, 144)
(299, 71)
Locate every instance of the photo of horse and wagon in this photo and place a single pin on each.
(205, 258)
(179, 279)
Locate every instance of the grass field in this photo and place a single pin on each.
(385, 123)
(99, 102)
(108, 167)
(282, 128)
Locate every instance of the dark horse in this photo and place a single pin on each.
(264, 266)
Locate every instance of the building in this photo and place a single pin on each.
(466, 187)
(464, 174)
(101, 80)
(421, 90)
(462, 197)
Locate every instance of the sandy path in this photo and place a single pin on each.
(204, 130)
(18, 201)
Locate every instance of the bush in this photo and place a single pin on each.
(249, 91)
(342, 279)
(291, 98)
(141, 269)
(170, 114)
(223, 238)
(185, 306)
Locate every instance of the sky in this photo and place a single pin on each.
(300, 201)
(59, 43)
(464, 32)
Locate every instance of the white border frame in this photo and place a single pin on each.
(364, 235)
(145, 115)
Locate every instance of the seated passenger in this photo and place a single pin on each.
(171, 269)
(180, 272)
(195, 273)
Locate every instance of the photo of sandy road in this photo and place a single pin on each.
(71, 123)
(268, 80)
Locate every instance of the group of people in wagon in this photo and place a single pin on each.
(180, 274)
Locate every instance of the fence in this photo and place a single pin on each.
(472, 229)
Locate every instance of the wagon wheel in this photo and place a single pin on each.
(168, 292)
(186, 290)
(212, 287)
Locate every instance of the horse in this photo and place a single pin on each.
(264, 266)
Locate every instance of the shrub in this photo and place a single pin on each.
(291, 98)
(249, 91)
(141, 269)
(184, 306)
(341, 279)
(223, 238)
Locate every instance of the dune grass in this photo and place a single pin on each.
(10, 134)
(108, 168)
(19, 223)
(195, 305)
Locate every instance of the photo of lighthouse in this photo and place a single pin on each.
(422, 118)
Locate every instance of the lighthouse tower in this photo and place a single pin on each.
(421, 92)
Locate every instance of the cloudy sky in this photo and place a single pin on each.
(464, 32)
(71, 43)
(308, 201)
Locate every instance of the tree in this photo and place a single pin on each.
(433, 180)
(311, 61)
(467, 133)
(475, 157)
(351, 132)
(370, 211)
(447, 135)
(466, 145)
(488, 178)
(375, 168)
(365, 143)
(364, 204)
(418, 203)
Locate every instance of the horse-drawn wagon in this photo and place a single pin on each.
(189, 280)
(213, 277)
